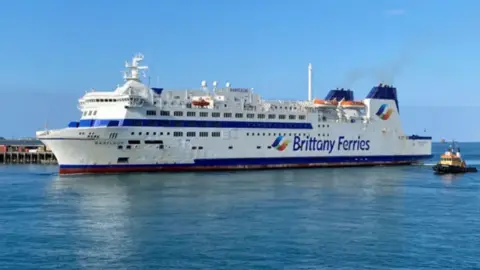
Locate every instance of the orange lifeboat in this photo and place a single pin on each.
(352, 104)
(200, 102)
(325, 103)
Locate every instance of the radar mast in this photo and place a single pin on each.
(133, 70)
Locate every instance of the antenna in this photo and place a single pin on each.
(309, 82)
(134, 68)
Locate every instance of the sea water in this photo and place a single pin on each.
(343, 218)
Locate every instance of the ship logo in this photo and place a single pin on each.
(280, 144)
(384, 112)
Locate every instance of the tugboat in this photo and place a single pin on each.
(452, 162)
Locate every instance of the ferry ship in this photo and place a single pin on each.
(138, 128)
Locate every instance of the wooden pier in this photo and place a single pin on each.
(27, 158)
(25, 152)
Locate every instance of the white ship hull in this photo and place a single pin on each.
(136, 128)
(85, 155)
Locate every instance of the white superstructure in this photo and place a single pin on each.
(138, 128)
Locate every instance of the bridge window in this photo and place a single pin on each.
(190, 113)
(191, 134)
(215, 114)
(165, 113)
(250, 115)
(261, 116)
(238, 115)
(301, 117)
(291, 117)
(178, 113)
(216, 134)
(151, 112)
(177, 134)
(203, 134)
(271, 116)
(281, 116)
(203, 114)
(227, 115)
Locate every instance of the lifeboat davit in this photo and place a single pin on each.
(325, 103)
(352, 104)
(200, 102)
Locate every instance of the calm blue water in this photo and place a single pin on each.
(354, 218)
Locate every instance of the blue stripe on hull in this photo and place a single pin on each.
(249, 163)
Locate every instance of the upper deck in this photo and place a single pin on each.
(136, 104)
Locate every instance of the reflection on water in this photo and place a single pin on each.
(217, 212)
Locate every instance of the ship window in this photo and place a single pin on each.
(203, 134)
(154, 133)
(215, 114)
(122, 160)
(177, 134)
(153, 141)
(189, 105)
(128, 147)
(258, 147)
(134, 142)
(149, 112)
(191, 134)
(238, 115)
(178, 113)
(120, 147)
(190, 113)
(261, 116)
(230, 147)
(203, 114)
(301, 117)
(291, 117)
(227, 115)
(281, 116)
(200, 147)
(216, 134)
(165, 113)
(250, 115)
(194, 148)
(89, 112)
(94, 112)
(271, 116)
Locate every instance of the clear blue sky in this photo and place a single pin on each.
(52, 51)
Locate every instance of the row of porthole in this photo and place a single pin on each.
(289, 134)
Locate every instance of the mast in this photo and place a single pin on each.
(309, 82)
(132, 72)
